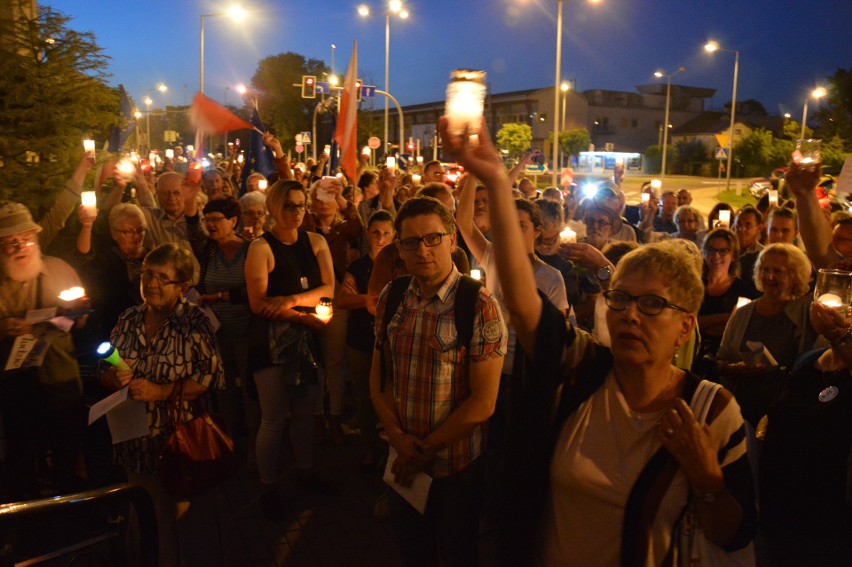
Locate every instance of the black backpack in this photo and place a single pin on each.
(466, 298)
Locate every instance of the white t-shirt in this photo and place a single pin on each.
(547, 279)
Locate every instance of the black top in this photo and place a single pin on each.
(360, 334)
(718, 304)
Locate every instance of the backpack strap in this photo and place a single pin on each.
(394, 300)
(467, 296)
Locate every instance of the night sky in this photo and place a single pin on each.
(786, 47)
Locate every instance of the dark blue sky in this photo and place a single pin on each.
(786, 47)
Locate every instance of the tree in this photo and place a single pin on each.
(52, 95)
(574, 141)
(514, 138)
(281, 106)
(755, 152)
(834, 118)
(690, 156)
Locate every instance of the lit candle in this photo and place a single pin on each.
(742, 301)
(415, 178)
(90, 202)
(134, 157)
(170, 153)
(89, 148)
(646, 198)
(656, 184)
(324, 310)
(419, 160)
(773, 197)
(262, 184)
(476, 274)
(830, 300)
(567, 235)
(365, 150)
(391, 162)
(725, 218)
(465, 100)
(72, 294)
(126, 169)
(152, 157)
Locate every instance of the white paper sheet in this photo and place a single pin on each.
(127, 418)
(418, 493)
(192, 296)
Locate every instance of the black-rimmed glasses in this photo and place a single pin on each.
(429, 240)
(652, 305)
(162, 279)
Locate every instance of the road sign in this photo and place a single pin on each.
(300, 148)
(534, 169)
(374, 143)
(323, 87)
(368, 91)
(567, 177)
(306, 138)
(721, 154)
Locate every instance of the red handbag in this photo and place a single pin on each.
(199, 454)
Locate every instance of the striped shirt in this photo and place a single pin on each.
(430, 369)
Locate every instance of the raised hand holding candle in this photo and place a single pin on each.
(465, 100)
(656, 185)
(476, 274)
(126, 169)
(725, 218)
(90, 202)
(262, 184)
(89, 148)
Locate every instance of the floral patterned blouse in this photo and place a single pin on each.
(184, 347)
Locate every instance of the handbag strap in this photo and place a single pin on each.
(703, 399)
(176, 409)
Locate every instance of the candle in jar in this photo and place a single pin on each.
(262, 184)
(170, 153)
(465, 100)
(366, 150)
(126, 169)
(830, 300)
(656, 184)
(72, 293)
(89, 148)
(725, 218)
(567, 235)
(391, 162)
(419, 160)
(415, 178)
(476, 274)
(646, 198)
(90, 202)
(773, 197)
(324, 310)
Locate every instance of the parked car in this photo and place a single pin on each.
(758, 187)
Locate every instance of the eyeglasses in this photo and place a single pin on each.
(719, 251)
(131, 232)
(429, 240)
(598, 222)
(295, 207)
(19, 243)
(254, 214)
(652, 305)
(162, 279)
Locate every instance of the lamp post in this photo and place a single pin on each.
(395, 7)
(236, 13)
(817, 93)
(564, 87)
(710, 47)
(660, 74)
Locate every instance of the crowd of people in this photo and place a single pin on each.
(553, 396)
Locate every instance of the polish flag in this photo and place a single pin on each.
(347, 124)
(211, 117)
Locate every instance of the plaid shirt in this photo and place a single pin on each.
(430, 369)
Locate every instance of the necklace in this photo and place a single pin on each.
(654, 413)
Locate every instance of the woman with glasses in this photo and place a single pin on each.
(778, 320)
(604, 478)
(221, 255)
(253, 214)
(288, 271)
(164, 341)
(722, 287)
(109, 255)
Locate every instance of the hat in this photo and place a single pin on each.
(15, 218)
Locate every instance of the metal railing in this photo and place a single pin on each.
(41, 521)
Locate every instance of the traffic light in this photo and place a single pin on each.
(309, 86)
(358, 84)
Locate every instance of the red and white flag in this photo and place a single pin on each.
(346, 132)
(211, 117)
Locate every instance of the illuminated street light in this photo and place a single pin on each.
(817, 93)
(235, 13)
(660, 75)
(162, 87)
(241, 89)
(712, 46)
(396, 8)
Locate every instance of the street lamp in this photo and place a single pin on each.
(148, 103)
(659, 75)
(241, 89)
(710, 47)
(556, 87)
(817, 93)
(395, 7)
(236, 13)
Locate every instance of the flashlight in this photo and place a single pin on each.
(110, 354)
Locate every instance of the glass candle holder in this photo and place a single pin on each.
(833, 288)
(465, 101)
(807, 153)
(324, 309)
(89, 148)
(90, 202)
(725, 218)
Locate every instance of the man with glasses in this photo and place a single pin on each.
(600, 226)
(40, 405)
(435, 394)
(433, 172)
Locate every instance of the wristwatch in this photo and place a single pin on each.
(603, 274)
